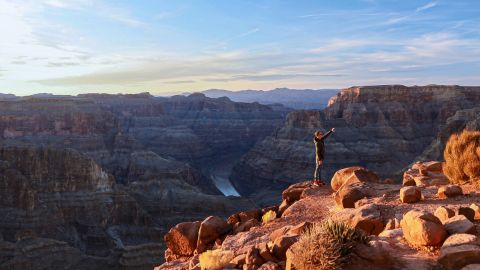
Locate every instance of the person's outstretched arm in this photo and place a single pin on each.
(328, 134)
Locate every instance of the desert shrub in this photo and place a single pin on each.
(462, 157)
(326, 246)
(215, 259)
(269, 216)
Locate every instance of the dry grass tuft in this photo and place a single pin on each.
(462, 157)
(326, 246)
(269, 216)
(215, 259)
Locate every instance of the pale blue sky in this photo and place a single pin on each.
(78, 46)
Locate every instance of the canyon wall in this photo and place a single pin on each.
(100, 178)
(383, 128)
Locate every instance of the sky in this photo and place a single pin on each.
(163, 47)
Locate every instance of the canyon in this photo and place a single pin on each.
(94, 181)
(383, 128)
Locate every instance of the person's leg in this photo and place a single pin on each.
(316, 175)
(320, 166)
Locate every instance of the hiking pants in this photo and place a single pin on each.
(318, 170)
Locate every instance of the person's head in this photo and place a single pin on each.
(318, 134)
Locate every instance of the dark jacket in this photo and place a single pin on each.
(320, 146)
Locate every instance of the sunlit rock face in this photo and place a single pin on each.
(383, 128)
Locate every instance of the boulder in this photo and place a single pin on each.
(282, 207)
(443, 213)
(476, 208)
(459, 224)
(421, 228)
(279, 232)
(449, 191)
(425, 174)
(392, 224)
(368, 219)
(410, 194)
(245, 226)
(408, 180)
(352, 175)
(281, 245)
(253, 257)
(461, 239)
(265, 253)
(182, 239)
(293, 192)
(468, 212)
(456, 257)
(250, 214)
(433, 166)
(395, 233)
(375, 255)
(239, 260)
(346, 196)
(210, 229)
(300, 228)
(233, 219)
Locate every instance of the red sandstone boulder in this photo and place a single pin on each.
(347, 195)
(250, 214)
(421, 228)
(293, 192)
(368, 219)
(449, 191)
(281, 245)
(410, 194)
(279, 232)
(211, 229)
(468, 212)
(245, 226)
(476, 208)
(182, 239)
(352, 175)
(265, 253)
(459, 224)
(457, 256)
(425, 174)
(444, 213)
(253, 257)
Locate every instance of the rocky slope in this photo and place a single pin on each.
(383, 128)
(420, 226)
(101, 177)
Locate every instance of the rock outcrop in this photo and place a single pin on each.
(382, 128)
(401, 235)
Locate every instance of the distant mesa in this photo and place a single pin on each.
(298, 99)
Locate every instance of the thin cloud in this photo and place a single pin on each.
(62, 64)
(114, 13)
(427, 6)
(180, 82)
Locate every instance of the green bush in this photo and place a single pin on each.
(462, 157)
(326, 246)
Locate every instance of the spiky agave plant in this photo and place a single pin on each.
(345, 235)
(326, 245)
